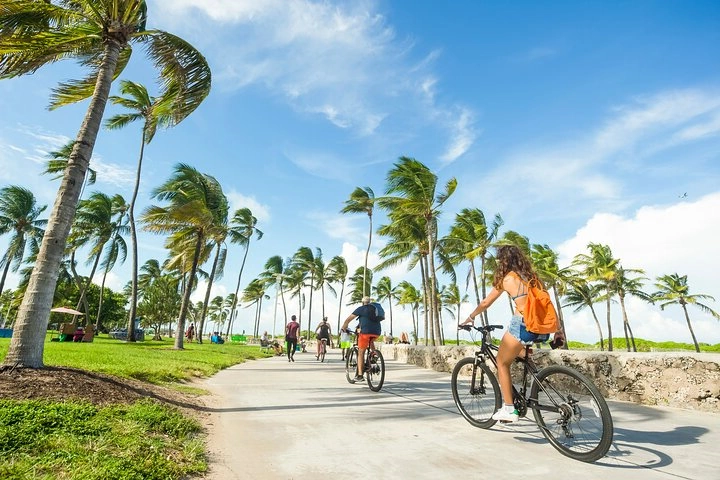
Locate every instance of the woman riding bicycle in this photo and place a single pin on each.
(514, 270)
(322, 331)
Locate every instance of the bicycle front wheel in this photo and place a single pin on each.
(476, 392)
(375, 371)
(571, 413)
(351, 365)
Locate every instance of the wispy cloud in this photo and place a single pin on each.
(340, 60)
(594, 169)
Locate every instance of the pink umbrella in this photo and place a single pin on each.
(66, 310)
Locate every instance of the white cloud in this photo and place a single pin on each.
(661, 240)
(340, 60)
(462, 138)
(238, 200)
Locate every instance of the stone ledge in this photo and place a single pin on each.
(674, 379)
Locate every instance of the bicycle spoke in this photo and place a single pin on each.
(572, 414)
(476, 392)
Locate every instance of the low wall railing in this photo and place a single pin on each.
(674, 379)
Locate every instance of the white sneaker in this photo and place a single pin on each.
(503, 415)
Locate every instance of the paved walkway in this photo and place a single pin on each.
(277, 420)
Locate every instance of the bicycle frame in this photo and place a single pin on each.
(520, 398)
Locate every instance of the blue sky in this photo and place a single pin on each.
(577, 122)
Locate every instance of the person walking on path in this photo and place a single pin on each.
(369, 330)
(291, 337)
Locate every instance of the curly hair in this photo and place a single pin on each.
(512, 259)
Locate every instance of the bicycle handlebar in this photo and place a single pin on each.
(481, 328)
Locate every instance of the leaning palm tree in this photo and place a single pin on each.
(600, 266)
(153, 113)
(624, 285)
(338, 272)
(189, 219)
(470, 238)
(409, 295)
(384, 290)
(242, 228)
(58, 162)
(274, 274)
(674, 290)
(99, 34)
(412, 191)
(19, 214)
(362, 200)
(583, 294)
(306, 262)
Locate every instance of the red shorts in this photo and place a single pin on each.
(364, 339)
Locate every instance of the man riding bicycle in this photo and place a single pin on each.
(369, 330)
(322, 331)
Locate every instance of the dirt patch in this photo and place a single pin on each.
(61, 383)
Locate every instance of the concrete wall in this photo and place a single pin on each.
(683, 380)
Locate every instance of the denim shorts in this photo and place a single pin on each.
(517, 330)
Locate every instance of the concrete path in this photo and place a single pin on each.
(271, 419)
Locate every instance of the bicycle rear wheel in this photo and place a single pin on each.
(351, 364)
(476, 392)
(375, 370)
(323, 347)
(571, 413)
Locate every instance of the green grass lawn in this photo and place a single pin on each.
(150, 361)
(147, 440)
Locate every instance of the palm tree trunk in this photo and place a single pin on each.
(434, 308)
(233, 311)
(597, 323)
(134, 246)
(179, 337)
(692, 333)
(100, 304)
(367, 254)
(5, 271)
(342, 292)
(83, 291)
(626, 324)
(423, 279)
(560, 317)
(609, 325)
(207, 293)
(28, 341)
(79, 283)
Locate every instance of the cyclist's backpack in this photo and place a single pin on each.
(539, 312)
(376, 312)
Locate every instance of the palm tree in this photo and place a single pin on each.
(583, 294)
(115, 249)
(600, 266)
(470, 238)
(452, 300)
(95, 225)
(412, 194)
(19, 214)
(189, 219)
(674, 290)
(338, 272)
(100, 35)
(307, 263)
(58, 162)
(552, 276)
(160, 302)
(242, 227)
(362, 200)
(153, 113)
(274, 275)
(254, 294)
(624, 285)
(385, 291)
(409, 295)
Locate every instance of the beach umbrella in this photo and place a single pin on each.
(66, 310)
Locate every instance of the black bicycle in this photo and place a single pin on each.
(374, 368)
(567, 406)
